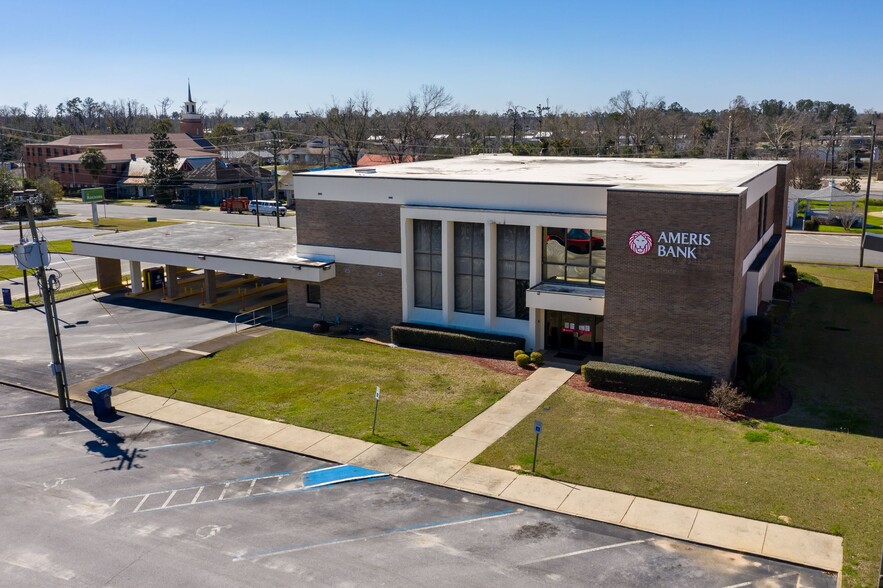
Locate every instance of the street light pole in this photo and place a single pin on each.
(24, 273)
(276, 177)
(28, 198)
(861, 251)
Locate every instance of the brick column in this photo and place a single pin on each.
(109, 273)
(211, 291)
(172, 290)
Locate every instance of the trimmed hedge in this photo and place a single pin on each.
(441, 339)
(783, 290)
(758, 329)
(637, 380)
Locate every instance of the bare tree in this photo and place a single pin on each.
(408, 132)
(348, 126)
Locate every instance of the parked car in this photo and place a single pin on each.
(231, 205)
(577, 240)
(266, 207)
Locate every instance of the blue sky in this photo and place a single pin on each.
(286, 56)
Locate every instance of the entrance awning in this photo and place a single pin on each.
(566, 298)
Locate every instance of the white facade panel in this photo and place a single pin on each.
(566, 302)
(516, 197)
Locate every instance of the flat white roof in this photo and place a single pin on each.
(682, 175)
(265, 251)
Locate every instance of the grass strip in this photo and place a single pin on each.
(328, 384)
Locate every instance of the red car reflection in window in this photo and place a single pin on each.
(578, 240)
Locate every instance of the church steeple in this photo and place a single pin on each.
(191, 122)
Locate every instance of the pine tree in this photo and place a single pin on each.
(164, 178)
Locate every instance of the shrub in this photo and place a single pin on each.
(321, 327)
(747, 351)
(637, 380)
(409, 335)
(763, 375)
(522, 360)
(810, 224)
(517, 353)
(758, 329)
(783, 290)
(536, 358)
(809, 279)
(790, 273)
(727, 398)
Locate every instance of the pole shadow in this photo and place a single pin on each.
(108, 444)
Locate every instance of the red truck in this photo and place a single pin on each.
(231, 205)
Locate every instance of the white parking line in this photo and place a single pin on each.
(9, 416)
(169, 499)
(776, 577)
(591, 550)
(143, 500)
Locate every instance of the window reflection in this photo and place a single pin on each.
(574, 256)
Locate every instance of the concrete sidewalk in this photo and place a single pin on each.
(449, 464)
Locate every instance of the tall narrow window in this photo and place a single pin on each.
(513, 271)
(427, 264)
(469, 267)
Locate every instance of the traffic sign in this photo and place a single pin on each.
(92, 194)
(377, 393)
(537, 427)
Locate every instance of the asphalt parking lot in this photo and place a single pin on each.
(101, 335)
(141, 503)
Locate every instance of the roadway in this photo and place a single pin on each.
(812, 247)
(84, 211)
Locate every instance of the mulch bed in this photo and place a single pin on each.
(779, 404)
(504, 366)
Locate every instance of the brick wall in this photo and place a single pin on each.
(358, 294)
(351, 225)
(672, 313)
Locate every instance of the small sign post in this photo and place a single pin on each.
(94, 195)
(376, 404)
(537, 428)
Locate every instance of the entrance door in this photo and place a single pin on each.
(569, 331)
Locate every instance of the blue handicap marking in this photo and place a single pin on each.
(339, 474)
(537, 426)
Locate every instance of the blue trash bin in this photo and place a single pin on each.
(7, 297)
(101, 404)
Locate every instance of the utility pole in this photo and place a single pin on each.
(28, 198)
(24, 273)
(861, 251)
(729, 133)
(276, 177)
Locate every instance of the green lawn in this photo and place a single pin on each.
(820, 465)
(63, 294)
(63, 246)
(9, 272)
(872, 228)
(328, 384)
(109, 224)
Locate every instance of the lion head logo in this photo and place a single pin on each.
(640, 242)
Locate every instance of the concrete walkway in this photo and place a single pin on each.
(449, 464)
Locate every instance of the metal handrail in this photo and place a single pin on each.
(256, 320)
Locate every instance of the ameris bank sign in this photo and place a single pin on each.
(669, 243)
